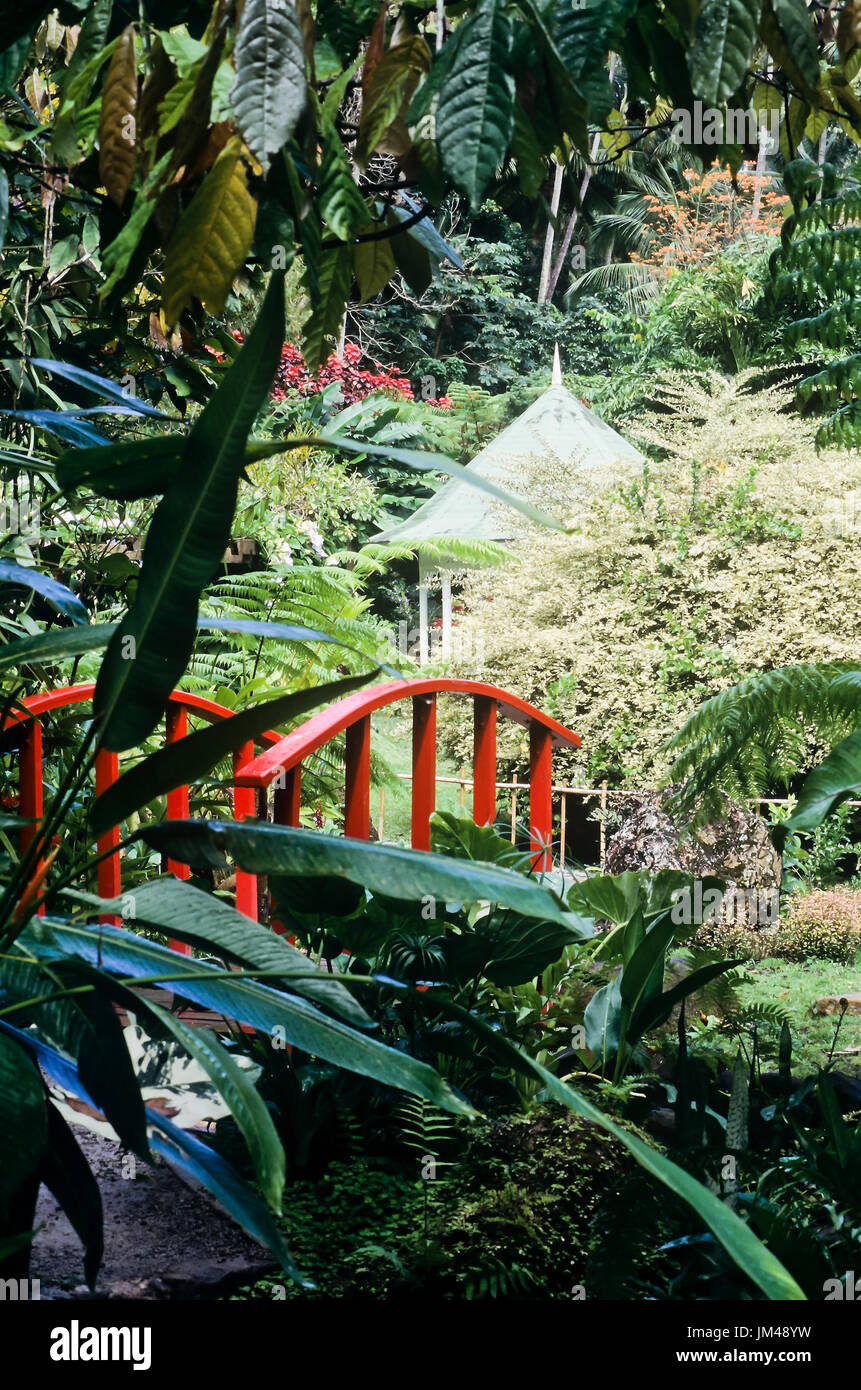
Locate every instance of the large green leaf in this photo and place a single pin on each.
(786, 28)
(190, 1156)
(395, 78)
(84, 1026)
(475, 114)
(187, 538)
(23, 1118)
(68, 1177)
(737, 1239)
(396, 873)
(834, 781)
(56, 645)
(342, 206)
(195, 755)
(241, 1095)
(270, 90)
(321, 329)
(723, 47)
(56, 593)
(202, 920)
(124, 954)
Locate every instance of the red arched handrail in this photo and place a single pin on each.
(27, 716)
(281, 763)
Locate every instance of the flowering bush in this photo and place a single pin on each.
(294, 379)
(825, 924)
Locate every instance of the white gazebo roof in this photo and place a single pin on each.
(557, 453)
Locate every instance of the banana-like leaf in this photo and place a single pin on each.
(475, 115)
(187, 538)
(270, 90)
(183, 1151)
(56, 593)
(241, 1095)
(408, 874)
(86, 1027)
(190, 1156)
(200, 919)
(99, 385)
(835, 780)
(55, 646)
(751, 1256)
(212, 238)
(69, 1178)
(195, 755)
(125, 954)
(722, 48)
(23, 1117)
(117, 128)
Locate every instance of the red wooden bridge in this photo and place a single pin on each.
(277, 766)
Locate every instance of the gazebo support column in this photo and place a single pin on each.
(445, 576)
(424, 642)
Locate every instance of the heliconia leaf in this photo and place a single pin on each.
(374, 265)
(270, 90)
(56, 593)
(117, 127)
(323, 326)
(835, 780)
(131, 956)
(475, 115)
(195, 755)
(186, 540)
(212, 238)
(398, 873)
(239, 1092)
(202, 920)
(69, 1178)
(185, 1152)
(342, 206)
(396, 77)
(55, 646)
(739, 1241)
(23, 1117)
(99, 385)
(425, 233)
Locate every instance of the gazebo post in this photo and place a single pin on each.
(445, 576)
(424, 643)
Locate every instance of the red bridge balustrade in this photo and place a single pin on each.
(279, 766)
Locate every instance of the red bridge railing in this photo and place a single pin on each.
(279, 765)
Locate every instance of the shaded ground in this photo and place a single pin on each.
(163, 1239)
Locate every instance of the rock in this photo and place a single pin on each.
(836, 1004)
(736, 849)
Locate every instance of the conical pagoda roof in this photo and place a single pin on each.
(555, 455)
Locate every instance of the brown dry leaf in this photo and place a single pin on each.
(118, 126)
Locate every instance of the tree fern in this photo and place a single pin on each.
(760, 732)
(819, 262)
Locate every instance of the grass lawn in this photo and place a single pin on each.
(392, 740)
(796, 986)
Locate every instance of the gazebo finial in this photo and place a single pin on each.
(556, 379)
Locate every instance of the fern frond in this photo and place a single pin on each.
(744, 739)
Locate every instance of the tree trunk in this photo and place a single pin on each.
(547, 258)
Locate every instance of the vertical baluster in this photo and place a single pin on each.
(30, 786)
(484, 761)
(244, 805)
(108, 871)
(424, 768)
(176, 727)
(540, 795)
(286, 801)
(357, 796)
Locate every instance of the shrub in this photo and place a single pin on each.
(826, 924)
